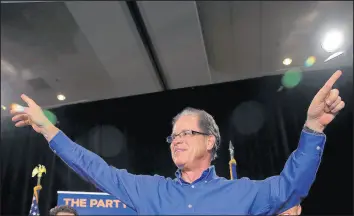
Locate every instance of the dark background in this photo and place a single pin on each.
(263, 124)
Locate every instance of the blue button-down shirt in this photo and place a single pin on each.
(210, 194)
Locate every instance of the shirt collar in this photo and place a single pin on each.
(207, 175)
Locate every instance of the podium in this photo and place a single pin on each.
(92, 203)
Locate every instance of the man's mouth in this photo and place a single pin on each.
(179, 150)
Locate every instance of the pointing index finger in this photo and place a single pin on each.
(330, 82)
(28, 100)
(324, 91)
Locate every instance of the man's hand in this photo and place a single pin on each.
(325, 105)
(34, 116)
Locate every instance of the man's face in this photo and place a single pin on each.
(296, 210)
(186, 149)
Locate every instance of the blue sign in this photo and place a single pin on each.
(87, 203)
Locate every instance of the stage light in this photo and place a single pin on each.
(287, 61)
(332, 41)
(61, 97)
(3, 107)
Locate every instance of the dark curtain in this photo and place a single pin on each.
(264, 125)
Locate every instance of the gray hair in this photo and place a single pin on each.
(206, 123)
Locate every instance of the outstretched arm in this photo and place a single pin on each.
(128, 188)
(279, 193)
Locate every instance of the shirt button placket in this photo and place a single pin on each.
(190, 206)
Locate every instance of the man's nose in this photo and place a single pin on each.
(177, 140)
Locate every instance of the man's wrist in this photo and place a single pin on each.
(315, 126)
(49, 131)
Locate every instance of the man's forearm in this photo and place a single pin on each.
(299, 172)
(93, 168)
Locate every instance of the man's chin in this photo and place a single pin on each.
(179, 164)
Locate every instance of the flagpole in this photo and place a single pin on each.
(38, 171)
(232, 162)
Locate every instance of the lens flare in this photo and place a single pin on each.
(51, 116)
(291, 78)
(310, 61)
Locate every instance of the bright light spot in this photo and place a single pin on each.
(332, 41)
(287, 61)
(333, 56)
(61, 97)
(3, 107)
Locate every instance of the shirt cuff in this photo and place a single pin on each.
(60, 142)
(312, 143)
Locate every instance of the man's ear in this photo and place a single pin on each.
(211, 142)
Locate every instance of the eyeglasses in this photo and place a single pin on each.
(184, 133)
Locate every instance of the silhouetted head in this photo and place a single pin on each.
(63, 210)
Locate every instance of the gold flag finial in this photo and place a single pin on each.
(38, 171)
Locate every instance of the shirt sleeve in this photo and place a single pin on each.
(128, 188)
(279, 193)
